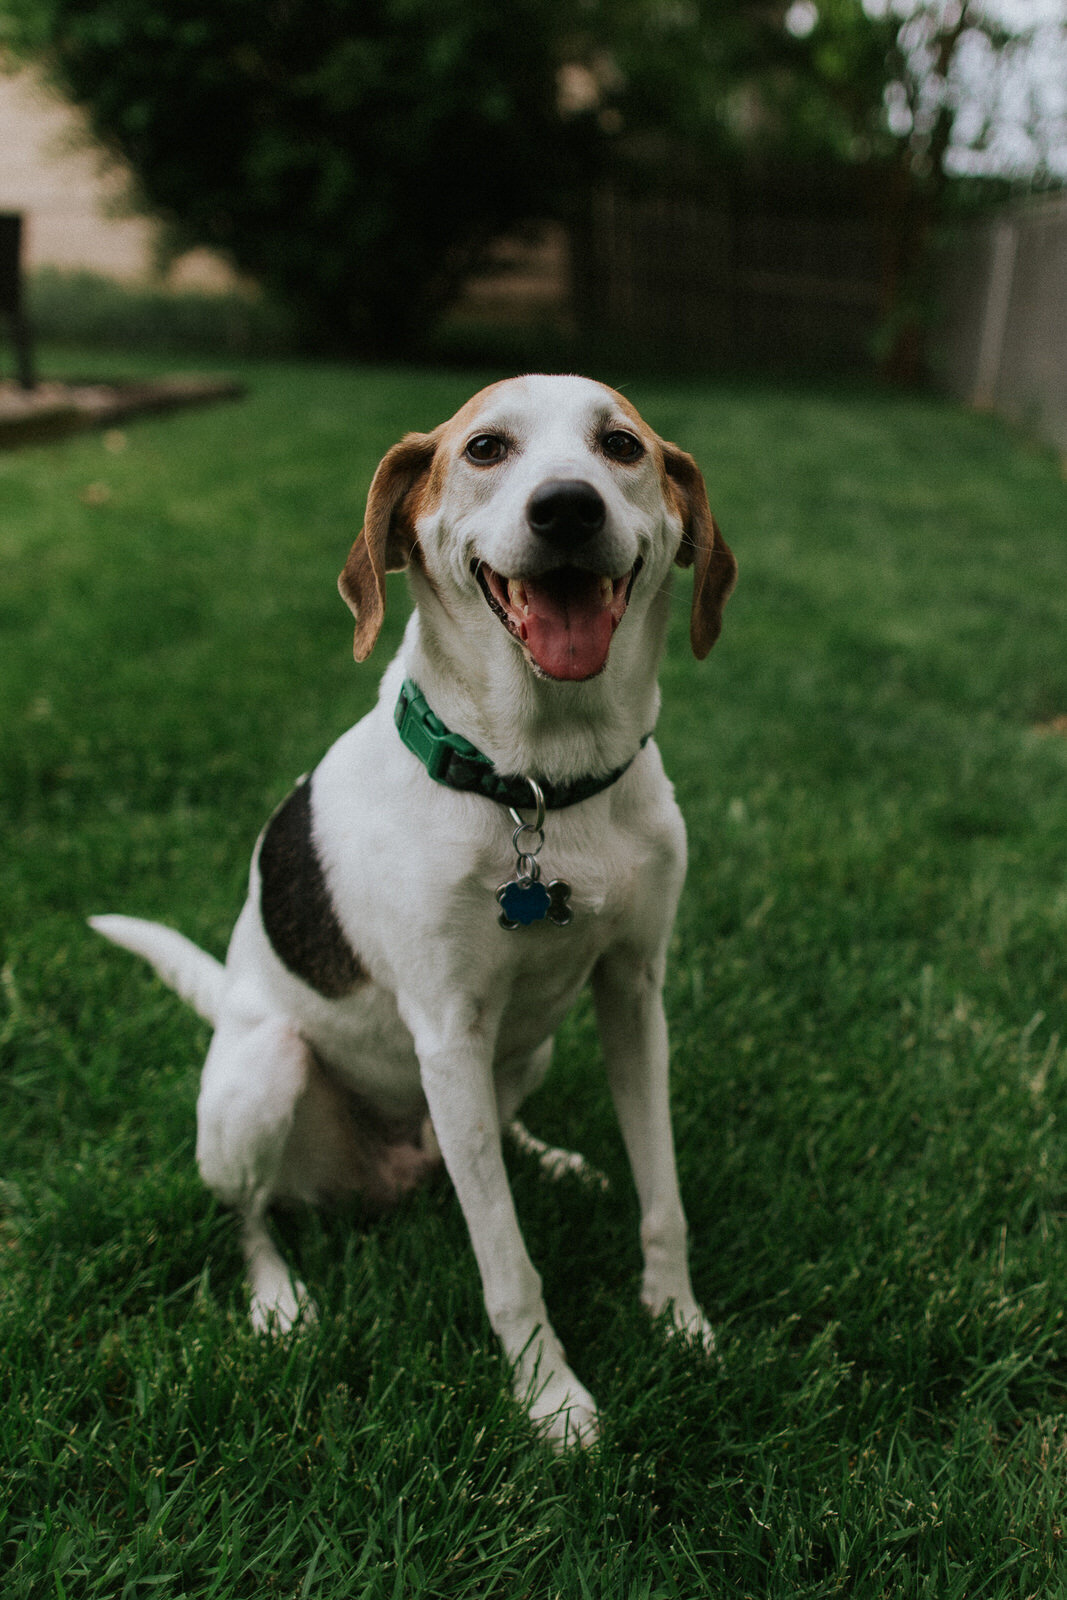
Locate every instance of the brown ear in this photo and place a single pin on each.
(703, 548)
(387, 537)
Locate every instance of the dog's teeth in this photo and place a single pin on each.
(517, 597)
(607, 592)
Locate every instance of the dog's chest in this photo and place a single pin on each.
(614, 881)
(542, 984)
(374, 881)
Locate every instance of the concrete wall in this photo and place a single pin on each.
(1001, 343)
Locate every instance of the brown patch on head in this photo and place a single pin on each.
(408, 484)
(648, 436)
(703, 546)
(469, 411)
(656, 447)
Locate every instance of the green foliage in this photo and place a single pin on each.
(852, 81)
(85, 308)
(730, 82)
(354, 159)
(867, 998)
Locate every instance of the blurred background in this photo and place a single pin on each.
(844, 186)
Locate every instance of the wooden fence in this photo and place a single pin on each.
(729, 281)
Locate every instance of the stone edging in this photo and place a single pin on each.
(56, 410)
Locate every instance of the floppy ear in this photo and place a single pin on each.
(387, 537)
(703, 548)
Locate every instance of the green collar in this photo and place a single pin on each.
(452, 760)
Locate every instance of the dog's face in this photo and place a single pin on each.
(541, 511)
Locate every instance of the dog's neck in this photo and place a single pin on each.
(536, 726)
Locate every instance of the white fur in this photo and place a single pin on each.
(457, 1015)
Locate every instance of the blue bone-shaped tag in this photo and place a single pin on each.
(523, 902)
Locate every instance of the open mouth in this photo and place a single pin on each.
(564, 619)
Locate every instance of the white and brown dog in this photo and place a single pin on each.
(401, 964)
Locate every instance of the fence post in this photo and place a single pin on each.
(995, 314)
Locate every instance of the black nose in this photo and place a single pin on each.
(566, 511)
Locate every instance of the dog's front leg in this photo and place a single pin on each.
(458, 1083)
(627, 992)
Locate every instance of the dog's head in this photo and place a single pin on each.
(547, 505)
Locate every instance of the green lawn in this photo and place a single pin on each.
(868, 1002)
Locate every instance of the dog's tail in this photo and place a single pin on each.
(196, 976)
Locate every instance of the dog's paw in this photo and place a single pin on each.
(286, 1305)
(564, 1412)
(692, 1325)
(560, 1407)
(682, 1318)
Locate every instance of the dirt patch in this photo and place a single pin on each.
(54, 410)
(1055, 725)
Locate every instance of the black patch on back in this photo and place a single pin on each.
(295, 904)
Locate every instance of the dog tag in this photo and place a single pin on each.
(526, 900)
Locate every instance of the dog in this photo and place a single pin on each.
(403, 959)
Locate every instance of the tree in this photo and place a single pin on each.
(356, 157)
(975, 86)
(352, 156)
(918, 93)
(935, 91)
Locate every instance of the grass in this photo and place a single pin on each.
(868, 1000)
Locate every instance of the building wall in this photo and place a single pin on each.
(72, 201)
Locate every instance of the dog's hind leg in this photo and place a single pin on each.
(277, 1300)
(254, 1077)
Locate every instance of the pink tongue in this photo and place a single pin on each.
(568, 632)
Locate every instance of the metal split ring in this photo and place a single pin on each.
(532, 849)
(539, 805)
(534, 829)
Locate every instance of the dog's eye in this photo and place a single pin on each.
(486, 448)
(622, 446)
